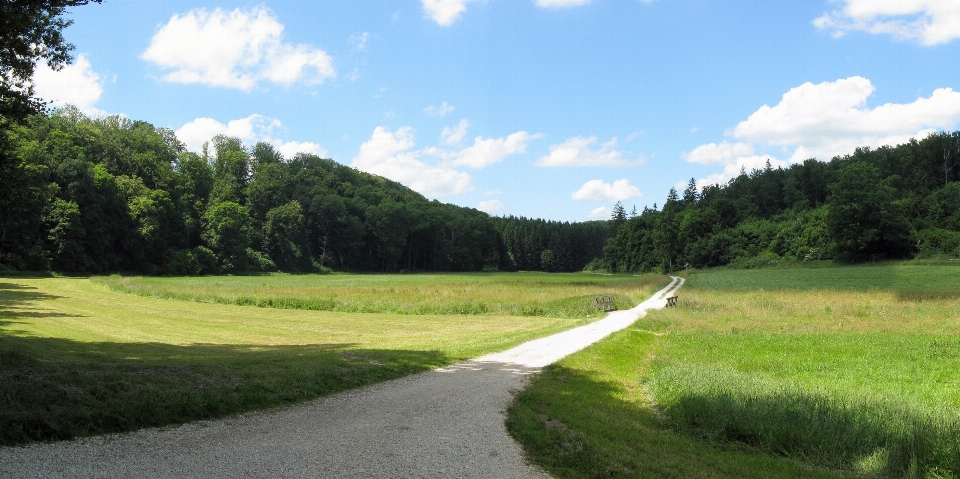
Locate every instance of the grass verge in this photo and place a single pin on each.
(796, 373)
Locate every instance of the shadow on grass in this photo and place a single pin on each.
(575, 425)
(863, 436)
(53, 389)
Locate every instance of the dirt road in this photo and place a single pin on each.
(442, 423)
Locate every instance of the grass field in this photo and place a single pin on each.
(799, 372)
(561, 295)
(79, 358)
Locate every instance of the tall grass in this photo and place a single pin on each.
(513, 294)
(853, 369)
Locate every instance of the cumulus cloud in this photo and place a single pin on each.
(236, 49)
(599, 213)
(75, 84)
(487, 151)
(440, 111)
(825, 120)
(444, 12)
(491, 206)
(928, 22)
(831, 118)
(390, 154)
(452, 136)
(577, 151)
(598, 190)
(250, 130)
(718, 153)
(561, 3)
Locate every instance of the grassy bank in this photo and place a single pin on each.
(562, 295)
(77, 358)
(795, 372)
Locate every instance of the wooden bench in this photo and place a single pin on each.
(604, 302)
(672, 301)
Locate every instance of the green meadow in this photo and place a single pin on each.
(80, 356)
(564, 295)
(788, 372)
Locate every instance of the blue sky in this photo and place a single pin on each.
(542, 108)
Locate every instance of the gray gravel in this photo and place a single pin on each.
(448, 422)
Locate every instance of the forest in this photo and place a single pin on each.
(893, 202)
(101, 195)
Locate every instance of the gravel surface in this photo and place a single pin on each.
(442, 423)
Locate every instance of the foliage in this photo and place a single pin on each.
(110, 194)
(30, 31)
(872, 205)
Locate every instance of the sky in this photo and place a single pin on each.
(552, 109)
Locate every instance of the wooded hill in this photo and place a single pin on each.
(888, 203)
(109, 194)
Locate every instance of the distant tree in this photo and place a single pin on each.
(617, 218)
(226, 229)
(691, 194)
(863, 217)
(285, 238)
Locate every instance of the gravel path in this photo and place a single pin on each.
(442, 423)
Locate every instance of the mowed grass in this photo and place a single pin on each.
(77, 358)
(826, 371)
(561, 295)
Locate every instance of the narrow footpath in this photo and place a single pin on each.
(448, 422)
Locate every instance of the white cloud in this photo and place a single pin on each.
(832, 118)
(440, 111)
(599, 213)
(487, 151)
(561, 3)
(389, 154)
(598, 190)
(452, 136)
(929, 22)
(825, 120)
(75, 84)
(236, 49)
(576, 151)
(444, 12)
(491, 206)
(250, 130)
(718, 153)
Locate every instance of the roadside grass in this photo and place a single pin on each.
(561, 295)
(852, 370)
(77, 358)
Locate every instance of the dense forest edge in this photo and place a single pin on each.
(108, 194)
(889, 203)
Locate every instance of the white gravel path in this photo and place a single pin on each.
(448, 422)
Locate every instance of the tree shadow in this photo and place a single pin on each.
(53, 389)
(864, 436)
(575, 425)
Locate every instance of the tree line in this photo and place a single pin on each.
(874, 204)
(109, 194)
